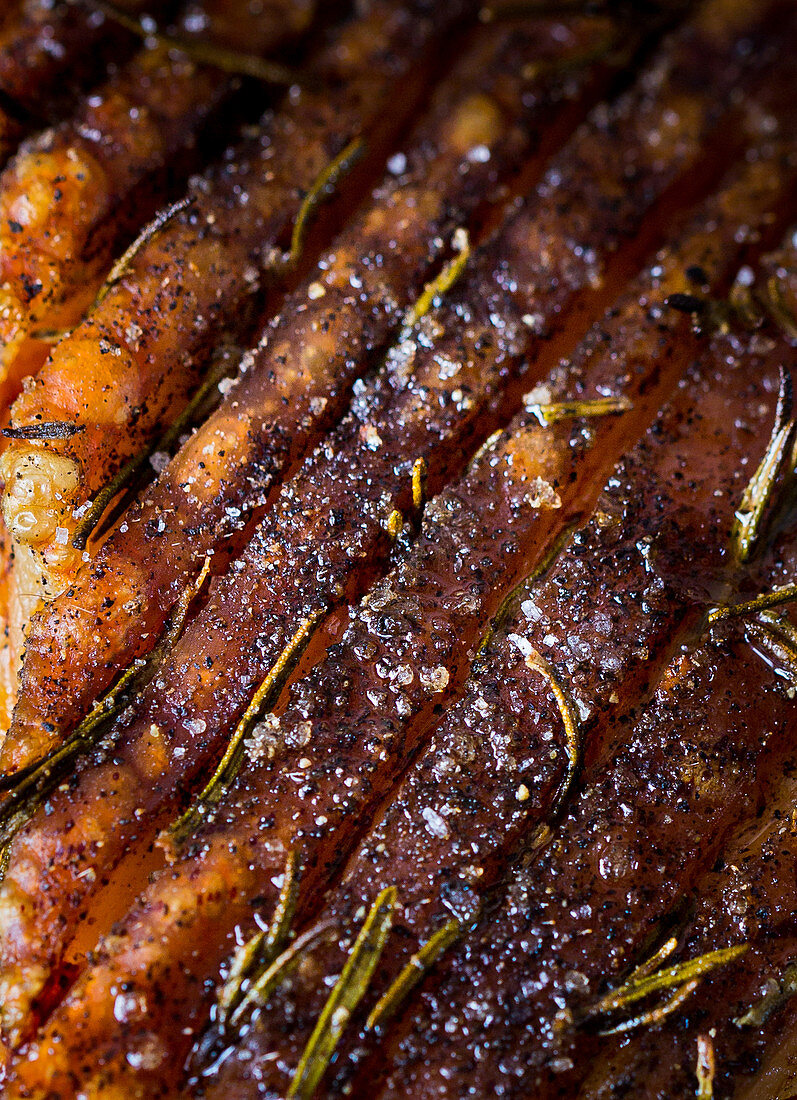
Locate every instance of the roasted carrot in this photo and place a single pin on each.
(74, 193)
(610, 875)
(130, 366)
(438, 167)
(38, 47)
(745, 1011)
(662, 545)
(412, 633)
(89, 634)
(268, 420)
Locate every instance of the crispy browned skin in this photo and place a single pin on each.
(292, 390)
(88, 631)
(420, 623)
(72, 194)
(617, 601)
(130, 367)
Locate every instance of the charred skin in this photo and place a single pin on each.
(129, 368)
(74, 193)
(678, 101)
(661, 530)
(291, 390)
(420, 623)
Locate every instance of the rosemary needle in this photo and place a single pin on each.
(346, 994)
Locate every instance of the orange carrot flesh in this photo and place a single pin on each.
(297, 384)
(206, 895)
(67, 199)
(128, 369)
(263, 436)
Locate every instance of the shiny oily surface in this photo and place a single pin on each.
(448, 629)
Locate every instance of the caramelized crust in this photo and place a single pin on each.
(476, 600)
(403, 652)
(592, 898)
(129, 368)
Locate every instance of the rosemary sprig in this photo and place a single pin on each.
(682, 979)
(418, 966)
(566, 410)
(265, 696)
(394, 524)
(434, 290)
(420, 471)
(705, 1068)
(757, 496)
(132, 475)
(156, 226)
(775, 598)
(274, 974)
(256, 955)
(122, 265)
(748, 305)
(30, 786)
(202, 51)
(536, 662)
(651, 964)
(782, 990)
(346, 994)
(655, 1016)
(321, 189)
(260, 965)
(48, 429)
